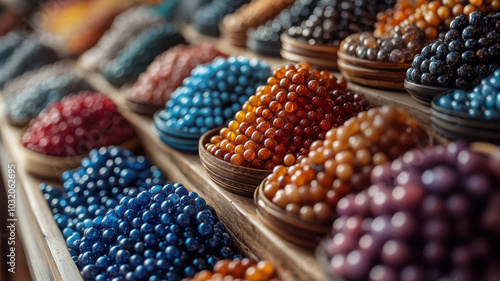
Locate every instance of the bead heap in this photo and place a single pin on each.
(212, 94)
(77, 124)
(126, 26)
(432, 17)
(430, 215)
(342, 163)
(333, 20)
(238, 269)
(469, 52)
(27, 103)
(400, 46)
(482, 102)
(30, 55)
(105, 177)
(265, 39)
(139, 53)
(207, 17)
(234, 26)
(168, 70)
(282, 119)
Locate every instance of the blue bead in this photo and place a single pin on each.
(89, 272)
(112, 270)
(182, 220)
(226, 252)
(189, 210)
(103, 262)
(99, 248)
(140, 272)
(189, 271)
(149, 253)
(136, 260)
(122, 256)
(204, 229)
(192, 244)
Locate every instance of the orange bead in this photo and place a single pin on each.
(237, 159)
(249, 155)
(290, 106)
(289, 160)
(264, 153)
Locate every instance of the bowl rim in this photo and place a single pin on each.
(171, 131)
(286, 39)
(456, 114)
(368, 63)
(419, 87)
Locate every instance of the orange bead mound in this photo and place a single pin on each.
(238, 269)
(342, 163)
(278, 124)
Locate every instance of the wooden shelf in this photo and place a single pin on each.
(46, 249)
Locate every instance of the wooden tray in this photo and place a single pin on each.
(423, 94)
(52, 167)
(287, 226)
(454, 125)
(383, 75)
(237, 179)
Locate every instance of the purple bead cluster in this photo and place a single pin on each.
(432, 214)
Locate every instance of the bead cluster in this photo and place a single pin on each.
(213, 93)
(333, 20)
(77, 124)
(469, 52)
(430, 215)
(8, 44)
(432, 17)
(400, 46)
(238, 269)
(134, 59)
(168, 70)
(282, 119)
(482, 102)
(207, 17)
(342, 163)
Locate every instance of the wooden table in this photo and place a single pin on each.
(47, 253)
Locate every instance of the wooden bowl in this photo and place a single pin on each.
(423, 94)
(288, 226)
(236, 179)
(147, 109)
(324, 56)
(52, 167)
(456, 125)
(375, 74)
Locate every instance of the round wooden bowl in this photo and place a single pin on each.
(287, 226)
(324, 56)
(383, 75)
(423, 94)
(236, 179)
(456, 125)
(147, 109)
(52, 167)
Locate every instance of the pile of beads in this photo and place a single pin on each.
(333, 20)
(283, 118)
(234, 26)
(265, 39)
(342, 163)
(207, 17)
(482, 102)
(166, 231)
(77, 124)
(430, 215)
(432, 17)
(238, 269)
(139, 53)
(168, 70)
(209, 98)
(127, 26)
(26, 104)
(106, 176)
(469, 52)
(8, 44)
(30, 55)
(400, 46)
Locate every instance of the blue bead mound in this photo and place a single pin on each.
(122, 221)
(209, 98)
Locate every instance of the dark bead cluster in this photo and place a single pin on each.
(271, 31)
(29, 102)
(400, 46)
(77, 124)
(430, 215)
(468, 52)
(482, 102)
(30, 54)
(139, 53)
(333, 20)
(207, 17)
(213, 94)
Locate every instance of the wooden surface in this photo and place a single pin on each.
(47, 252)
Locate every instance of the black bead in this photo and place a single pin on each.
(471, 44)
(482, 55)
(443, 81)
(459, 23)
(436, 67)
(452, 35)
(456, 46)
(494, 51)
(466, 72)
(469, 57)
(460, 83)
(427, 52)
(470, 32)
(424, 67)
(475, 18)
(485, 41)
(415, 75)
(428, 79)
(417, 61)
(481, 70)
(453, 59)
(442, 51)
